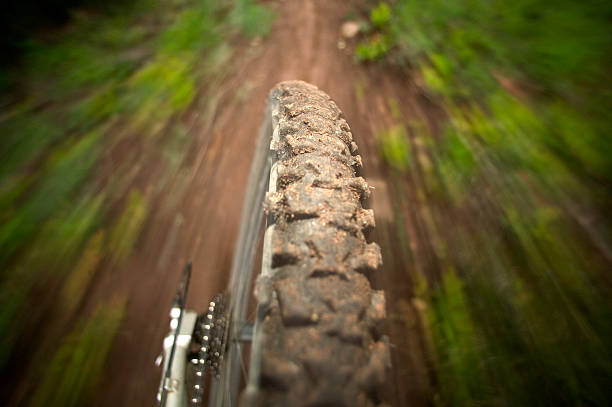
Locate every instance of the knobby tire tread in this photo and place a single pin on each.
(322, 336)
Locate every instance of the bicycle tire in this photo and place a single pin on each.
(318, 338)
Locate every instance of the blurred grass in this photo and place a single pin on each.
(127, 228)
(84, 270)
(65, 169)
(49, 256)
(254, 20)
(116, 73)
(395, 147)
(511, 198)
(377, 44)
(71, 376)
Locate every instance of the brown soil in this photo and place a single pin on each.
(202, 227)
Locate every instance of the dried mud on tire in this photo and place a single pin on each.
(322, 339)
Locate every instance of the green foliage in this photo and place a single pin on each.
(374, 48)
(74, 64)
(255, 20)
(394, 147)
(521, 325)
(456, 342)
(456, 164)
(518, 312)
(62, 237)
(71, 375)
(82, 274)
(394, 107)
(14, 297)
(561, 50)
(124, 234)
(53, 249)
(380, 15)
(433, 80)
(100, 106)
(163, 87)
(64, 171)
(17, 150)
(193, 30)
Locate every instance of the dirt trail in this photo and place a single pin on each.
(203, 225)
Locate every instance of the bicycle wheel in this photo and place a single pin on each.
(318, 337)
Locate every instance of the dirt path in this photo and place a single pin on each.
(203, 225)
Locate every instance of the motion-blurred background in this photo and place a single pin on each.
(126, 134)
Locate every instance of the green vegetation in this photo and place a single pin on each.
(64, 170)
(70, 198)
(127, 228)
(377, 45)
(71, 376)
(380, 15)
(255, 20)
(79, 279)
(512, 193)
(374, 48)
(456, 342)
(395, 147)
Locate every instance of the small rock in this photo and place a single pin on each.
(256, 42)
(349, 29)
(419, 304)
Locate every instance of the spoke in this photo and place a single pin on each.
(251, 226)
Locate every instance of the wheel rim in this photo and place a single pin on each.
(224, 390)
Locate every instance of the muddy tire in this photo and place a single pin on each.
(319, 335)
